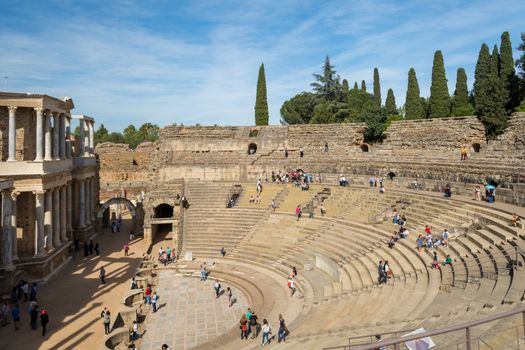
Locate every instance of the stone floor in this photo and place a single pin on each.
(189, 314)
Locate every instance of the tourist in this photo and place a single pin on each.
(273, 205)
(301, 152)
(435, 262)
(102, 275)
(395, 217)
(382, 189)
(388, 271)
(283, 330)
(463, 151)
(131, 234)
(477, 193)
(76, 243)
(168, 255)
(135, 331)
(266, 331)
(134, 284)
(165, 347)
(391, 242)
(294, 271)
(244, 327)
(44, 320)
(86, 249)
(90, 246)
(252, 201)
(223, 252)
(372, 180)
(381, 278)
(322, 210)
(25, 290)
(326, 146)
(154, 300)
(258, 199)
(378, 340)
(126, 249)
(380, 182)
(217, 287)
(286, 152)
(96, 249)
(147, 295)
(230, 296)
(298, 212)
(15, 314)
(204, 274)
(254, 325)
(343, 181)
(105, 315)
(291, 285)
(448, 261)
(515, 220)
(5, 313)
(446, 237)
(447, 191)
(33, 317)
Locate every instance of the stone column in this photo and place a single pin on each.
(62, 136)
(13, 225)
(39, 135)
(82, 139)
(48, 219)
(48, 148)
(56, 217)
(81, 204)
(7, 237)
(39, 223)
(69, 210)
(88, 201)
(56, 137)
(86, 139)
(12, 134)
(68, 137)
(63, 236)
(94, 203)
(91, 138)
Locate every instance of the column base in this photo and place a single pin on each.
(11, 160)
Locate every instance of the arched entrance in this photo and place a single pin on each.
(252, 148)
(163, 211)
(476, 147)
(364, 147)
(104, 211)
(162, 229)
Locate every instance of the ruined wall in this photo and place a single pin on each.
(511, 144)
(434, 136)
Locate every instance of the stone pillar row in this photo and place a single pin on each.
(87, 138)
(6, 234)
(48, 146)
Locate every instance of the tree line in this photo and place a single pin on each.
(498, 90)
(131, 135)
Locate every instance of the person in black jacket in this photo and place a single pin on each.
(44, 320)
(34, 317)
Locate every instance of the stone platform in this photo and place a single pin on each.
(189, 314)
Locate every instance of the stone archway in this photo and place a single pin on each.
(119, 200)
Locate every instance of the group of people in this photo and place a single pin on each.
(89, 247)
(296, 177)
(250, 326)
(377, 181)
(167, 256)
(24, 292)
(384, 272)
(430, 241)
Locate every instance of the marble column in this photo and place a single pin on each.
(56, 217)
(62, 136)
(12, 134)
(13, 225)
(68, 137)
(39, 134)
(94, 203)
(48, 150)
(81, 204)
(39, 223)
(86, 139)
(48, 219)
(82, 139)
(91, 138)
(69, 211)
(7, 237)
(56, 137)
(63, 236)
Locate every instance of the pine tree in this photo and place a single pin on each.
(390, 103)
(461, 105)
(345, 85)
(363, 86)
(508, 73)
(481, 77)
(261, 102)
(328, 84)
(377, 88)
(356, 87)
(439, 104)
(413, 108)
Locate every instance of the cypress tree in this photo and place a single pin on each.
(390, 103)
(363, 86)
(377, 88)
(356, 87)
(413, 108)
(261, 102)
(481, 77)
(439, 103)
(508, 73)
(461, 105)
(345, 86)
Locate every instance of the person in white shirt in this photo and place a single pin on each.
(266, 331)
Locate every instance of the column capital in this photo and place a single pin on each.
(14, 194)
(12, 108)
(38, 192)
(49, 113)
(39, 109)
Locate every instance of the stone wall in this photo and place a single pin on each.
(511, 144)
(445, 135)
(25, 133)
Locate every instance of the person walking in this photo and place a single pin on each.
(254, 325)
(15, 314)
(102, 275)
(5, 313)
(44, 320)
(96, 249)
(298, 212)
(86, 249)
(134, 284)
(283, 330)
(154, 300)
(244, 327)
(34, 317)
(217, 287)
(106, 320)
(131, 234)
(230, 296)
(91, 246)
(266, 331)
(126, 249)
(135, 331)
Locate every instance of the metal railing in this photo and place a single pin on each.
(465, 326)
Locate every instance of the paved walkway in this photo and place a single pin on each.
(75, 298)
(189, 313)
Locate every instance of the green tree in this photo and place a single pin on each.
(377, 88)
(439, 103)
(131, 136)
(327, 86)
(363, 86)
(390, 103)
(345, 86)
(508, 74)
(149, 132)
(261, 101)
(481, 78)
(116, 137)
(413, 109)
(520, 62)
(461, 105)
(356, 87)
(375, 121)
(101, 134)
(299, 109)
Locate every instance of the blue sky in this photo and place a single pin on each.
(191, 62)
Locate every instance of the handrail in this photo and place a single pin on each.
(382, 334)
(462, 326)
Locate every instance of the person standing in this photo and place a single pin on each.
(25, 290)
(223, 252)
(44, 320)
(96, 249)
(106, 320)
(135, 331)
(102, 275)
(86, 249)
(90, 246)
(266, 331)
(15, 313)
(254, 325)
(283, 330)
(5, 313)
(34, 317)
(217, 287)
(134, 284)
(301, 152)
(154, 300)
(131, 234)
(298, 212)
(381, 278)
(126, 249)
(244, 327)
(230, 296)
